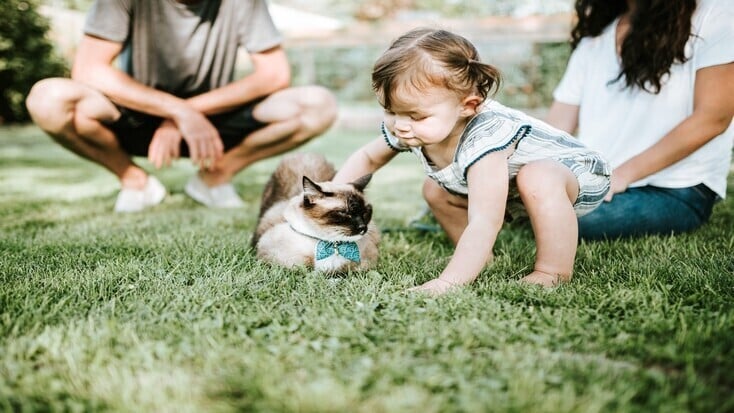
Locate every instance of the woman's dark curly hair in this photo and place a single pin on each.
(659, 30)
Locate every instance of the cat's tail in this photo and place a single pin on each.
(287, 179)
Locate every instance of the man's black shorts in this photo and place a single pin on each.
(134, 130)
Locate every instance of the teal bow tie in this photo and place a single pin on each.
(347, 249)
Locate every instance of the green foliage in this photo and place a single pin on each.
(82, 5)
(446, 8)
(543, 72)
(527, 81)
(467, 8)
(168, 310)
(346, 71)
(26, 56)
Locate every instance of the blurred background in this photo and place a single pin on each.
(330, 42)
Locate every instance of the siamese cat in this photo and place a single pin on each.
(306, 220)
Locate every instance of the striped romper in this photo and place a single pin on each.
(495, 128)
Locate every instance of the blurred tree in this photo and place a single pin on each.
(70, 4)
(379, 9)
(26, 56)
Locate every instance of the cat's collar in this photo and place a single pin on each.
(325, 248)
(347, 249)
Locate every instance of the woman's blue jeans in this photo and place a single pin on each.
(649, 210)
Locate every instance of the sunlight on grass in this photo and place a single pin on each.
(38, 170)
(59, 183)
(168, 310)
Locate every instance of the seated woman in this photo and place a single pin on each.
(650, 85)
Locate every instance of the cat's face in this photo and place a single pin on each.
(337, 210)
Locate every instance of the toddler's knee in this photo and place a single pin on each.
(434, 195)
(542, 179)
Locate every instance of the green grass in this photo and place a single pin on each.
(168, 310)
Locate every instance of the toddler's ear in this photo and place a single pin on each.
(470, 105)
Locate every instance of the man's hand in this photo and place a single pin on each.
(164, 147)
(205, 145)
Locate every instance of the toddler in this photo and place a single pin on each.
(480, 158)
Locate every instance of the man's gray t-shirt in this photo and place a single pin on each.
(183, 49)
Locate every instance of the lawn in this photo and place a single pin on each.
(168, 310)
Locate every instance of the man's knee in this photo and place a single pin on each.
(318, 98)
(319, 108)
(314, 109)
(50, 103)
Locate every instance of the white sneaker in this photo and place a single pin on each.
(220, 196)
(134, 200)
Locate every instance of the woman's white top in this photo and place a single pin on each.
(622, 122)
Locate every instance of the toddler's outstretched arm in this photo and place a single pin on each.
(488, 187)
(367, 159)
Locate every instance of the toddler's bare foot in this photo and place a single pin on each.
(544, 279)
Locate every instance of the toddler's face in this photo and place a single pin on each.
(422, 118)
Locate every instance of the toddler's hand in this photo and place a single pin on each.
(434, 287)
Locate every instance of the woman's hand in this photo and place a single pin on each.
(619, 183)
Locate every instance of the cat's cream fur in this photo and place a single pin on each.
(294, 216)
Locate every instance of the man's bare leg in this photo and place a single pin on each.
(72, 114)
(294, 116)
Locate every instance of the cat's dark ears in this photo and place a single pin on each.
(311, 188)
(362, 182)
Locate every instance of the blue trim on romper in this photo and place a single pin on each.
(522, 132)
(387, 140)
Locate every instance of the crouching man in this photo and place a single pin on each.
(157, 79)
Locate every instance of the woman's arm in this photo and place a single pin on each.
(365, 160)
(563, 116)
(713, 108)
(488, 186)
